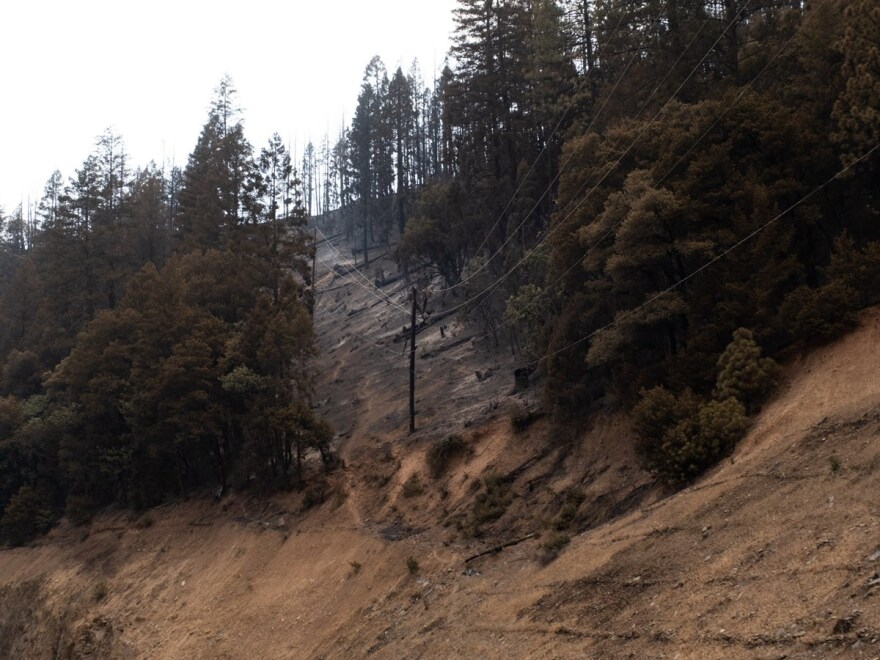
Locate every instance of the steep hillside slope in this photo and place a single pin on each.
(775, 553)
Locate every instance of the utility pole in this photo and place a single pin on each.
(412, 366)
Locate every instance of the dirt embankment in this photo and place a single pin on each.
(775, 553)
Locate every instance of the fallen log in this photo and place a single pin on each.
(499, 548)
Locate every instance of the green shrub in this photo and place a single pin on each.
(658, 410)
(743, 374)
(556, 542)
(699, 441)
(99, 592)
(550, 549)
(493, 501)
(441, 453)
(654, 416)
(834, 463)
(685, 436)
(568, 512)
(28, 513)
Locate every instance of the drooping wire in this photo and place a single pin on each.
(709, 263)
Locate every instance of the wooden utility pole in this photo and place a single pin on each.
(412, 366)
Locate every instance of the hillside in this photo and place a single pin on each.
(774, 553)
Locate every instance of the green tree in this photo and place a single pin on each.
(742, 373)
(856, 111)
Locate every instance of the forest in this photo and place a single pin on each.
(649, 202)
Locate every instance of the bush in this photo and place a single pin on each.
(699, 441)
(743, 374)
(314, 495)
(681, 437)
(658, 410)
(568, 511)
(441, 454)
(412, 565)
(520, 417)
(412, 487)
(556, 542)
(28, 513)
(493, 501)
(99, 592)
(550, 549)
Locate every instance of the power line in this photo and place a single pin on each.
(540, 243)
(706, 265)
(581, 82)
(558, 174)
(371, 286)
(727, 109)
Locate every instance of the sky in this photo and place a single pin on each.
(69, 69)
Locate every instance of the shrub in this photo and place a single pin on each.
(99, 592)
(742, 373)
(520, 417)
(412, 487)
(568, 511)
(550, 549)
(834, 463)
(314, 495)
(493, 501)
(441, 453)
(28, 513)
(655, 415)
(681, 437)
(412, 565)
(658, 410)
(699, 441)
(556, 542)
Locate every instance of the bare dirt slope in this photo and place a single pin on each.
(773, 554)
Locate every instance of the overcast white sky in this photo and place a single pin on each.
(71, 68)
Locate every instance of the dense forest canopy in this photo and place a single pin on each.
(644, 199)
(615, 188)
(156, 330)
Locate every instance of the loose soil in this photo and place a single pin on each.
(774, 553)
